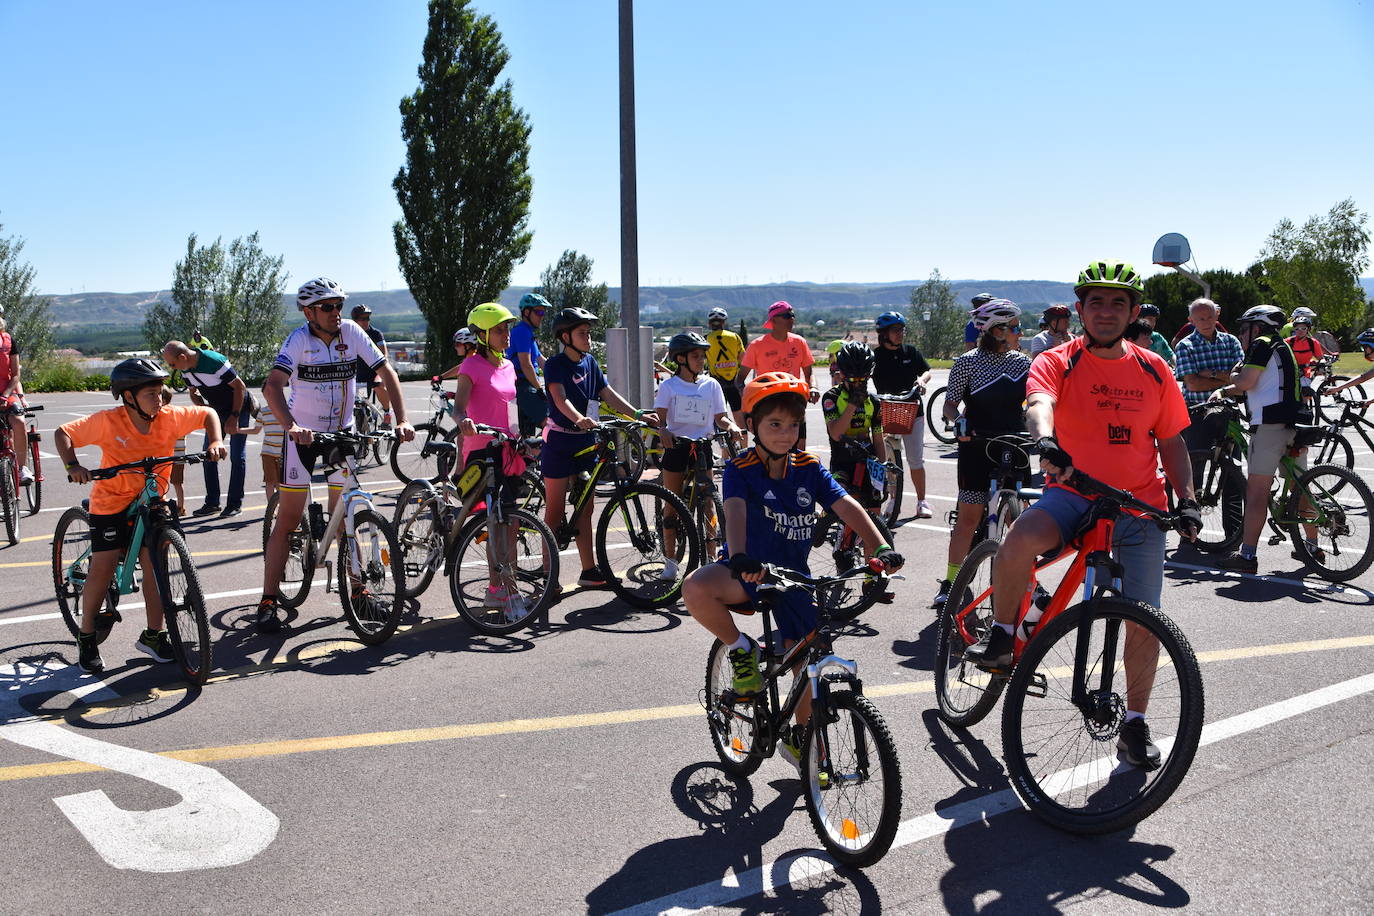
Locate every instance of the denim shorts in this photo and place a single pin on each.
(1138, 544)
(556, 458)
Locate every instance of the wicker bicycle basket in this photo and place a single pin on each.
(899, 417)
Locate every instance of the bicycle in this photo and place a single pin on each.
(367, 420)
(1326, 406)
(635, 451)
(900, 415)
(940, 428)
(420, 459)
(849, 764)
(440, 526)
(174, 572)
(637, 568)
(1066, 695)
(1007, 497)
(1336, 448)
(702, 496)
(367, 573)
(1218, 481)
(837, 550)
(10, 483)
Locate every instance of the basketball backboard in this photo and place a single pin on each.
(1172, 250)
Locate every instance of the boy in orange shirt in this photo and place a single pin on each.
(140, 428)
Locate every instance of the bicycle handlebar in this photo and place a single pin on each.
(1091, 486)
(499, 435)
(146, 465)
(780, 577)
(915, 394)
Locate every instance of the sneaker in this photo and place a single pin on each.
(923, 510)
(496, 597)
(267, 620)
(1318, 555)
(1135, 745)
(88, 653)
(669, 572)
(206, 509)
(745, 663)
(155, 644)
(25, 476)
(517, 608)
(942, 596)
(1237, 563)
(994, 650)
(592, 577)
(791, 745)
(231, 511)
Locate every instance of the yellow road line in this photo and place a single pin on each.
(579, 720)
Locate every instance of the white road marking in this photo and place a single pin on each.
(216, 824)
(1318, 585)
(808, 865)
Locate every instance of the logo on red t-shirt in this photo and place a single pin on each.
(1118, 434)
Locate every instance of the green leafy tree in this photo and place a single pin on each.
(27, 316)
(231, 294)
(464, 190)
(1318, 265)
(942, 336)
(567, 284)
(1173, 292)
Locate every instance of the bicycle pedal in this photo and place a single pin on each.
(1038, 686)
(1275, 539)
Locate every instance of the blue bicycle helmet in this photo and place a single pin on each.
(888, 319)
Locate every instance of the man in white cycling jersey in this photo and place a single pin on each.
(318, 360)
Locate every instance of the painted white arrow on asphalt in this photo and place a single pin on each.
(215, 824)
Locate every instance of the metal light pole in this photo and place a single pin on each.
(629, 221)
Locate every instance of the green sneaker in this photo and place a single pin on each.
(155, 644)
(745, 663)
(791, 745)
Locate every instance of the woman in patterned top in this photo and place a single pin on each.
(990, 382)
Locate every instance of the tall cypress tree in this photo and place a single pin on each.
(465, 188)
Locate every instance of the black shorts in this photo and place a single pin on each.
(977, 464)
(678, 459)
(844, 467)
(111, 532)
(732, 395)
(298, 463)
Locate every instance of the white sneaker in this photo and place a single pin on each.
(923, 510)
(25, 475)
(517, 608)
(669, 572)
(495, 597)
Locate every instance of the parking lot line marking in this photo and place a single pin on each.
(809, 865)
(550, 723)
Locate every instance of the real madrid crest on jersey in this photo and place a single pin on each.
(803, 497)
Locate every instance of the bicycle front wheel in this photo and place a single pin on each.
(1067, 702)
(935, 417)
(370, 579)
(301, 555)
(1338, 505)
(733, 724)
(417, 459)
(710, 524)
(183, 606)
(9, 500)
(71, 564)
(630, 546)
(965, 693)
(837, 550)
(852, 778)
(628, 464)
(894, 482)
(418, 521)
(1220, 493)
(503, 574)
(1336, 449)
(1331, 407)
(33, 492)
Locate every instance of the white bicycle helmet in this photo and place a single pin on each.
(994, 312)
(317, 290)
(1269, 315)
(465, 335)
(1303, 316)
(717, 313)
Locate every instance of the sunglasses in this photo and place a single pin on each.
(539, 312)
(790, 316)
(327, 307)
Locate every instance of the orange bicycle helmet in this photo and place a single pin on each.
(769, 384)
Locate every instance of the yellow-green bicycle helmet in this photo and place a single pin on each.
(488, 315)
(1112, 274)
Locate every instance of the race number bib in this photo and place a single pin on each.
(690, 411)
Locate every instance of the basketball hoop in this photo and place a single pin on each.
(1172, 250)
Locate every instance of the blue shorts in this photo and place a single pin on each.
(794, 612)
(1138, 543)
(556, 458)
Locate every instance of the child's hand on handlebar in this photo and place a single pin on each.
(78, 474)
(746, 568)
(468, 427)
(217, 451)
(891, 559)
(586, 423)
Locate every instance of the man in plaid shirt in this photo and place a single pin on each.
(1204, 361)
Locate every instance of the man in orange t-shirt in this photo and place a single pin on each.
(781, 351)
(140, 428)
(1110, 408)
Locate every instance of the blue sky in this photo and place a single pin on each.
(869, 141)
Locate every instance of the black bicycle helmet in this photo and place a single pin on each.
(1149, 310)
(981, 299)
(855, 360)
(135, 373)
(571, 318)
(685, 342)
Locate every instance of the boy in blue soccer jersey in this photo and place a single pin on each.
(773, 499)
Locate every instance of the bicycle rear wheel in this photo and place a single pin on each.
(9, 500)
(1331, 407)
(518, 558)
(631, 550)
(965, 693)
(183, 606)
(418, 520)
(370, 579)
(1220, 493)
(301, 555)
(416, 460)
(71, 564)
(852, 779)
(837, 550)
(894, 483)
(733, 725)
(1061, 751)
(1336, 449)
(33, 492)
(1339, 504)
(710, 512)
(935, 416)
